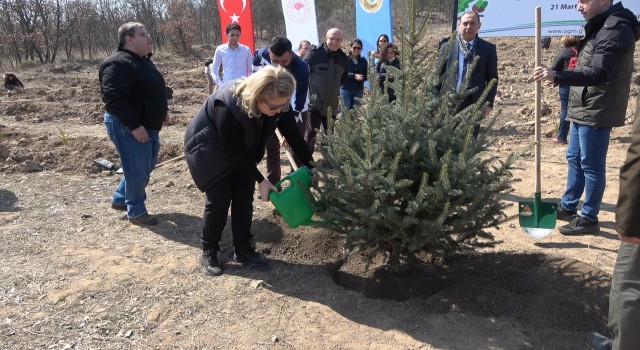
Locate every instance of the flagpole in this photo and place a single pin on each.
(455, 16)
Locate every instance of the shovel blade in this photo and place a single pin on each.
(538, 214)
(537, 233)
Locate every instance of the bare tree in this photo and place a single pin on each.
(208, 22)
(180, 25)
(39, 29)
(268, 19)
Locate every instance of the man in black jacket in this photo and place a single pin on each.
(329, 67)
(597, 102)
(135, 103)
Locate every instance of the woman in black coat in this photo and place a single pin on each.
(224, 144)
(353, 86)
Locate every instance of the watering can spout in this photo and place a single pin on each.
(296, 203)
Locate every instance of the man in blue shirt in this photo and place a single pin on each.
(280, 53)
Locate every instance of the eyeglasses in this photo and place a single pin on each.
(356, 47)
(383, 41)
(143, 34)
(275, 107)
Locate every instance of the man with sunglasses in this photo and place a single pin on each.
(280, 53)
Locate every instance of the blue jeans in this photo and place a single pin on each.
(563, 129)
(586, 154)
(349, 95)
(137, 159)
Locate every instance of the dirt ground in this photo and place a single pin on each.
(76, 275)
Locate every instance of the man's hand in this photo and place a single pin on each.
(140, 134)
(359, 77)
(264, 188)
(541, 73)
(630, 240)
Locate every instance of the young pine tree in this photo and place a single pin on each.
(407, 177)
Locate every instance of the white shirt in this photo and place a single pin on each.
(236, 63)
(461, 63)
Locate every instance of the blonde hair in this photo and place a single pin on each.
(269, 82)
(568, 41)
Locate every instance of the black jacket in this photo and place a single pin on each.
(485, 71)
(133, 90)
(600, 84)
(222, 138)
(329, 70)
(561, 62)
(361, 67)
(14, 82)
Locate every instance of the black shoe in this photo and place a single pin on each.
(597, 341)
(579, 226)
(118, 207)
(251, 258)
(144, 220)
(210, 263)
(566, 215)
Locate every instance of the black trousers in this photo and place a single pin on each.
(272, 148)
(314, 122)
(235, 190)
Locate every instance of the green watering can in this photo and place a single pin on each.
(296, 203)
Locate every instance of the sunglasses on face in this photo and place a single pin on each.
(275, 107)
(356, 48)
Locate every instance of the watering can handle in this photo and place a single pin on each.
(282, 181)
(277, 185)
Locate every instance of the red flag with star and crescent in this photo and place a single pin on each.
(238, 11)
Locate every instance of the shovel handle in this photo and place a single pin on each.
(287, 150)
(538, 94)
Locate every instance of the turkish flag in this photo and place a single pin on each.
(238, 11)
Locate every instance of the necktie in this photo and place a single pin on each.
(467, 59)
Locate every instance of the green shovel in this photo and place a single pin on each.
(538, 218)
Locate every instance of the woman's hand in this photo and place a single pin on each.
(264, 188)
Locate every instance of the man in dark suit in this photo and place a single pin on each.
(466, 46)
